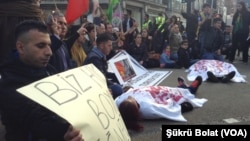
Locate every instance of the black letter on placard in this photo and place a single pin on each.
(77, 83)
(96, 78)
(69, 94)
(107, 105)
(121, 130)
(108, 135)
(102, 117)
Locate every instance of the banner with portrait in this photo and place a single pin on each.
(129, 72)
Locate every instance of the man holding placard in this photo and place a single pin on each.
(23, 118)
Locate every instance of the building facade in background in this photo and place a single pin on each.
(138, 7)
(153, 7)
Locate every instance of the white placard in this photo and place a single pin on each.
(82, 98)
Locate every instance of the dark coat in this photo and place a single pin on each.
(138, 53)
(244, 31)
(56, 58)
(22, 117)
(213, 38)
(100, 62)
(183, 58)
(124, 24)
(192, 25)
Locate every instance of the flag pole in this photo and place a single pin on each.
(55, 5)
(112, 11)
(120, 10)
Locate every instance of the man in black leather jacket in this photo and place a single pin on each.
(24, 119)
(214, 40)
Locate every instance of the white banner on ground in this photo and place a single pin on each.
(129, 72)
(82, 98)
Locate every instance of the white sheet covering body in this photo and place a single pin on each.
(161, 101)
(218, 68)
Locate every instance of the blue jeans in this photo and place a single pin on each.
(212, 56)
(174, 56)
(191, 89)
(201, 39)
(164, 59)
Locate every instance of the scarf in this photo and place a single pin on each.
(238, 24)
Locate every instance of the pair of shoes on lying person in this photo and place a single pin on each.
(195, 84)
(193, 87)
(223, 79)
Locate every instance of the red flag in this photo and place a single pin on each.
(75, 9)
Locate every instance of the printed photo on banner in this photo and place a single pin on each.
(123, 69)
(89, 106)
(129, 72)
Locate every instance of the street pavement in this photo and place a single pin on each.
(227, 104)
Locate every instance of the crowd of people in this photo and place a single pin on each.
(45, 47)
(161, 41)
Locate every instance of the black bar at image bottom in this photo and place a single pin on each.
(215, 132)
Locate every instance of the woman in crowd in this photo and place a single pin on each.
(138, 50)
(146, 39)
(240, 33)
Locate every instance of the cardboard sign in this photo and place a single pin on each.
(82, 98)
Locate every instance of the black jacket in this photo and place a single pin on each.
(183, 58)
(244, 31)
(138, 53)
(22, 117)
(213, 37)
(100, 62)
(66, 45)
(192, 24)
(124, 23)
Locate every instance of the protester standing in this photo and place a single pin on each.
(240, 33)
